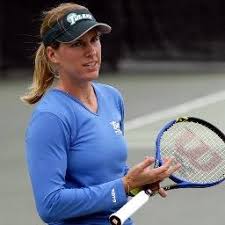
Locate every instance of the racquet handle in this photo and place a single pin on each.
(119, 217)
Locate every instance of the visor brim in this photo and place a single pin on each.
(82, 28)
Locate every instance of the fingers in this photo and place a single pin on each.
(148, 161)
(174, 168)
(162, 192)
(166, 169)
(172, 165)
(155, 187)
(137, 175)
(142, 174)
(169, 167)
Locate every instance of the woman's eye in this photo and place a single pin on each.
(96, 38)
(76, 44)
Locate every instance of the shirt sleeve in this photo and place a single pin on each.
(47, 143)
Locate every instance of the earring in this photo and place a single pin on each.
(54, 72)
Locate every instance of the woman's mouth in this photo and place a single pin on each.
(91, 65)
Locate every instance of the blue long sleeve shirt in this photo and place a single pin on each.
(77, 158)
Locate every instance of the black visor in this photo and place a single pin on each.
(72, 26)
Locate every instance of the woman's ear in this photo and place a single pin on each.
(52, 55)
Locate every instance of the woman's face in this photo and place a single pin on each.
(79, 60)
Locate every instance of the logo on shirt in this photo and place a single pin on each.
(116, 127)
(113, 194)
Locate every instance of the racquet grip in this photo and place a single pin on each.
(119, 217)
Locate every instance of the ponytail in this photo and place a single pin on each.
(44, 74)
(42, 77)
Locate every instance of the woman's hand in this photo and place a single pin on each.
(142, 174)
(155, 187)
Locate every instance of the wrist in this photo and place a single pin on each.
(126, 184)
(131, 191)
(135, 191)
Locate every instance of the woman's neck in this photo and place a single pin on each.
(82, 91)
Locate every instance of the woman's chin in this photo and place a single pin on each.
(92, 75)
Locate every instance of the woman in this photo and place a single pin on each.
(76, 152)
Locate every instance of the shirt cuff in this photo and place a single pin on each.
(118, 193)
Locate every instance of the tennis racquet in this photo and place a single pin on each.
(200, 149)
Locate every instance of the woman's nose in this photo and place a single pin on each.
(90, 50)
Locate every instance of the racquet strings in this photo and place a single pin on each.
(200, 151)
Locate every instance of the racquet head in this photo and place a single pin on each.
(198, 146)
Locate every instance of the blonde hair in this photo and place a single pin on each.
(43, 75)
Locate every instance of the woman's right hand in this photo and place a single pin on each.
(142, 174)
